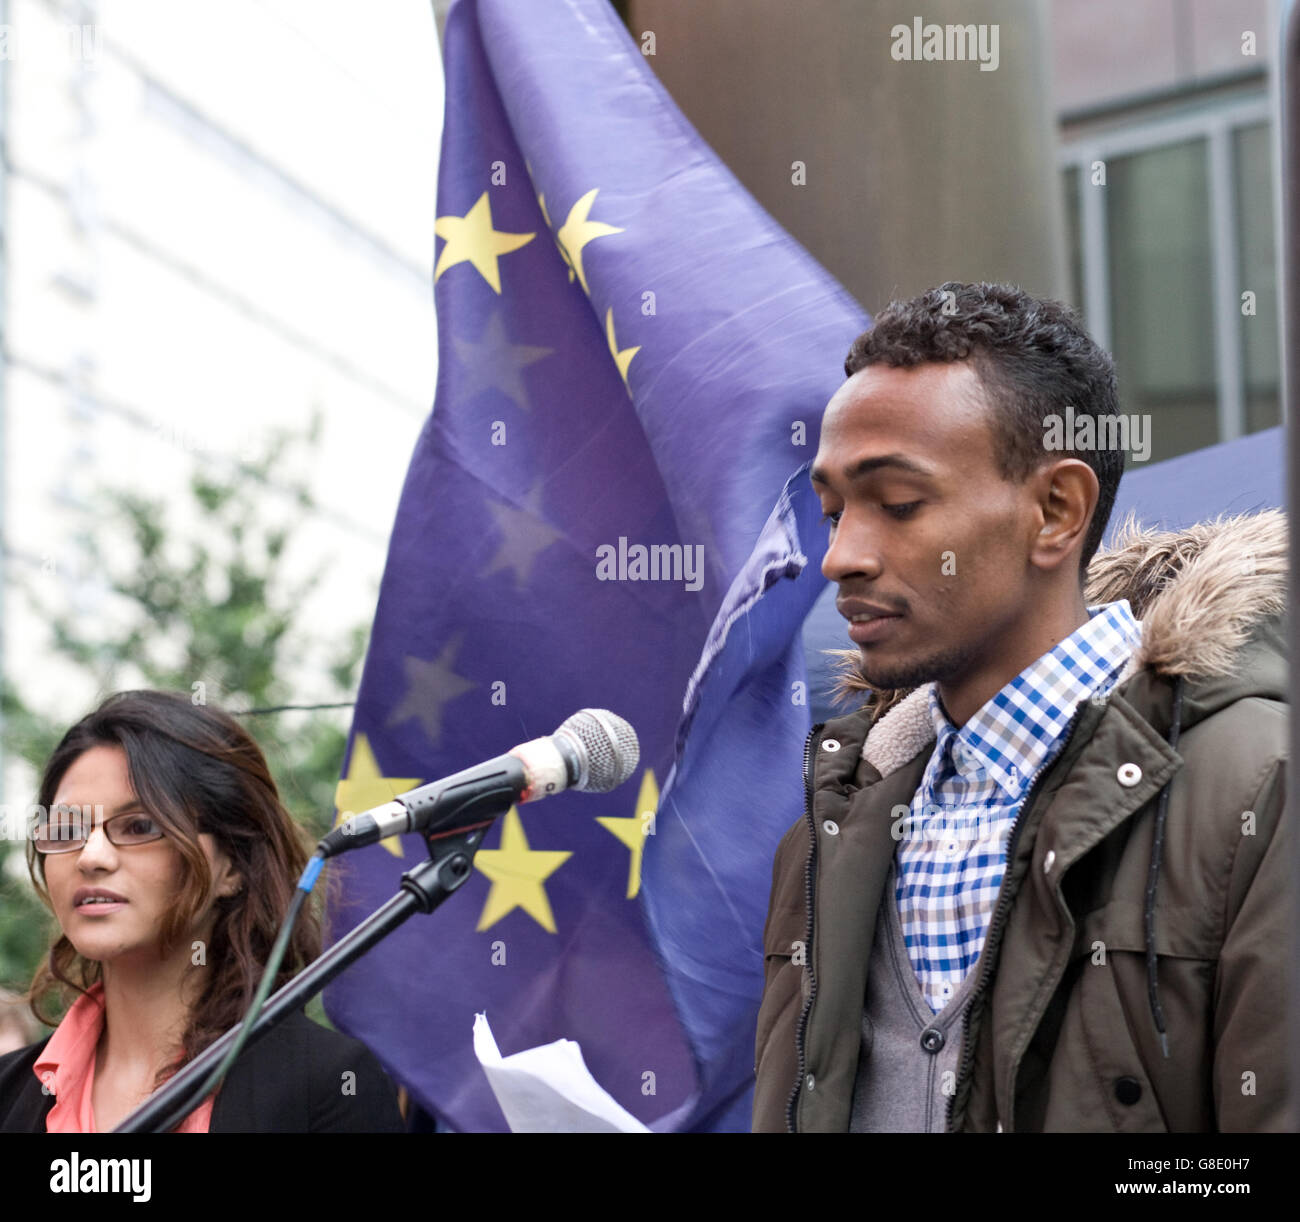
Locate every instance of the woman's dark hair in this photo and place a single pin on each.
(1033, 357)
(196, 770)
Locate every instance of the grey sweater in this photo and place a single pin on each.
(907, 1066)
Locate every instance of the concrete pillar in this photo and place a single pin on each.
(916, 171)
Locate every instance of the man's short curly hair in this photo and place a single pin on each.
(1032, 356)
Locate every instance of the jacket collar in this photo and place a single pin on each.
(1207, 597)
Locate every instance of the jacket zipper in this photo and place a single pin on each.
(1000, 911)
(809, 869)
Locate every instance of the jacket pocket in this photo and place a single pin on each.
(1138, 1088)
(785, 979)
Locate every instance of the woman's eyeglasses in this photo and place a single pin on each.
(68, 831)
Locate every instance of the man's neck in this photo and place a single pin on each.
(1023, 645)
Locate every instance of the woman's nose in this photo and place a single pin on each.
(98, 852)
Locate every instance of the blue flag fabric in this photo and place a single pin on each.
(633, 358)
(736, 786)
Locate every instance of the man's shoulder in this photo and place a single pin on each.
(846, 734)
(1238, 723)
(1239, 742)
(1257, 721)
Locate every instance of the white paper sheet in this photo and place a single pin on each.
(549, 1089)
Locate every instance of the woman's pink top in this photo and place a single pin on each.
(67, 1069)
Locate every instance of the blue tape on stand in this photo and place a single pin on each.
(310, 874)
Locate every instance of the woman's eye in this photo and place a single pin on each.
(832, 518)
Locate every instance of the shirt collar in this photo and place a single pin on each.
(1015, 731)
(68, 1053)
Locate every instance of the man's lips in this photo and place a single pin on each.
(859, 609)
(867, 632)
(868, 622)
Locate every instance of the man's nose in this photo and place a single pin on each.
(852, 552)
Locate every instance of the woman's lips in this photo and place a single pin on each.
(97, 901)
(99, 910)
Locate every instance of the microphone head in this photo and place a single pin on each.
(606, 746)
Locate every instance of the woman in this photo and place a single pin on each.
(167, 858)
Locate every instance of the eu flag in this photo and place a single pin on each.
(633, 358)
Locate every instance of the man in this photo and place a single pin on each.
(1042, 879)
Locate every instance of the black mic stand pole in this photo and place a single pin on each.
(424, 887)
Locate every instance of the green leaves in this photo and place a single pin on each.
(198, 600)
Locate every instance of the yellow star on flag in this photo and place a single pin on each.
(621, 359)
(365, 786)
(633, 831)
(518, 874)
(471, 239)
(576, 232)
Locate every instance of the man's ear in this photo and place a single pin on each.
(1067, 494)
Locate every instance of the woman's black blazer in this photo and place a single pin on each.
(294, 1079)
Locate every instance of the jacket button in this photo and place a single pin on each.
(1049, 860)
(831, 828)
(810, 1082)
(1128, 1091)
(1128, 775)
(932, 1039)
(831, 744)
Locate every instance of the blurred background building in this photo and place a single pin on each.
(1122, 156)
(217, 218)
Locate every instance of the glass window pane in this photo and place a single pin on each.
(1257, 273)
(1161, 287)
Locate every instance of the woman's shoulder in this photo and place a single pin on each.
(303, 1077)
(22, 1102)
(20, 1061)
(320, 1044)
(22, 1056)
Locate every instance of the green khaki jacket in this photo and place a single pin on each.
(1061, 1032)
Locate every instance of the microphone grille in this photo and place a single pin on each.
(607, 746)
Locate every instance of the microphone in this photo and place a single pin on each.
(593, 751)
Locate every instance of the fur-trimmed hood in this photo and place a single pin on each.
(1210, 599)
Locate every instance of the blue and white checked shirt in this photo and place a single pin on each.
(953, 848)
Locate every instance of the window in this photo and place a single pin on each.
(1169, 225)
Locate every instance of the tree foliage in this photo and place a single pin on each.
(209, 612)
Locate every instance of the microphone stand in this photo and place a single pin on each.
(424, 888)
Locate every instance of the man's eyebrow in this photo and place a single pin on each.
(866, 465)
